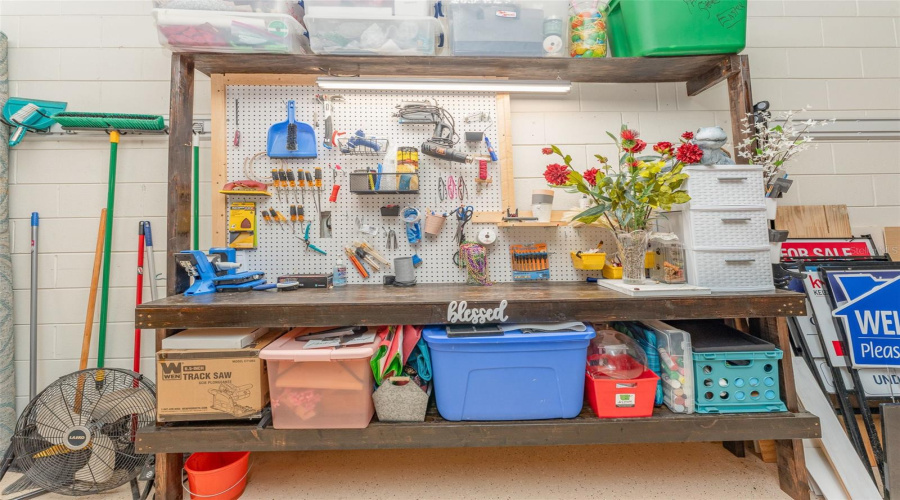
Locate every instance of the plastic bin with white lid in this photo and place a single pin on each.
(522, 28)
(407, 36)
(677, 365)
(323, 388)
(229, 32)
(370, 8)
(514, 376)
(293, 7)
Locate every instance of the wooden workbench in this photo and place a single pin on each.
(374, 305)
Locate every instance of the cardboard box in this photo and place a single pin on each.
(213, 384)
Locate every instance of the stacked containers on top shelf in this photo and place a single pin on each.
(724, 228)
(388, 27)
(524, 28)
(231, 26)
(641, 28)
(733, 372)
(514, 376)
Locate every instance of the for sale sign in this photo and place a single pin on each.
(794, 249)
(868, 304)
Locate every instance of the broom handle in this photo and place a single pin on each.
(92, 298)
(32, 376)
(107, 249)
(89, 320)
(139, 296)
(196, 146)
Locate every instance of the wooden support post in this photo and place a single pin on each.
(890, 430)
(178, 230)
(735, 447)
(219, 166)
(792, 474)
(740, 96)
(181, 116)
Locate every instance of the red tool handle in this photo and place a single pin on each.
(334, 192)
(482, 170)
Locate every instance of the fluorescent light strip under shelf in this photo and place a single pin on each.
(502, 86)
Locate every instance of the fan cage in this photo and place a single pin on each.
(105, 391)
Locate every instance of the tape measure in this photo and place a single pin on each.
(487, 237)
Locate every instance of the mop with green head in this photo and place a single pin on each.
(115, 124)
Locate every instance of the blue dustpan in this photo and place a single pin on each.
(282, 145)
(37, 121)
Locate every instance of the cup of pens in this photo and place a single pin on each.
(434, 223)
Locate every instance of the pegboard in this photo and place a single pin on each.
(280, 248)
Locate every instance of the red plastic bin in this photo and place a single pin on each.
(617, 398)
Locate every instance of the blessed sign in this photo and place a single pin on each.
(458, 312)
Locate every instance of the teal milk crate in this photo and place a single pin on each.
(733, 372)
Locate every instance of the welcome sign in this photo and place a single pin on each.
(868, 304)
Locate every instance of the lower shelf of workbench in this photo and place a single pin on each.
(435, 432)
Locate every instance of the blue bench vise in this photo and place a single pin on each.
(216, 272)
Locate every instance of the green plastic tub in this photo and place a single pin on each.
(641, 28)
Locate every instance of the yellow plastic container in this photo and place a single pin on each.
(611, 272)
(588, 261)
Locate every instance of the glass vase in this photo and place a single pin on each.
(632, 247)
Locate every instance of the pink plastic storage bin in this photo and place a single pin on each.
(319, 388)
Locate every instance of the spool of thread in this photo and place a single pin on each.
(542, 204)
(434, 224)
(404, 271)
(482, 170)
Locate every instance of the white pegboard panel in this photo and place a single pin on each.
(279, 252)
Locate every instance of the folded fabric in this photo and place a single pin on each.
(420, 360)
(388, 358)
(569, 326)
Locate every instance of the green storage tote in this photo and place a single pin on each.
(641, 28)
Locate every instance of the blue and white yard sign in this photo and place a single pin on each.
(868, 303)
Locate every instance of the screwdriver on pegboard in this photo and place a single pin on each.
(276, 184)
(293, 183)
(312, 185)
(282, 176)
(301, 184)
(319, 187)
(294, 218)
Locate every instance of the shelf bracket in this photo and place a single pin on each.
(728, 66)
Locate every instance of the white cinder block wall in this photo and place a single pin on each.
(840, 57)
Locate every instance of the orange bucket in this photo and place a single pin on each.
(217, 476)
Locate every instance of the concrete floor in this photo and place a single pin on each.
(645, 472)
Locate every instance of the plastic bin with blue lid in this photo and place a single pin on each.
(514, 376)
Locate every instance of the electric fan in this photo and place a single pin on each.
(77, 436)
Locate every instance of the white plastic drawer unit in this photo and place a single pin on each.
(720, 227)
(729, 270)
(727, 185)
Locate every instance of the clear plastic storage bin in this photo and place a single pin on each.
(324, 388)
(407, 36)
(525, 28)
(677, 365)
(229, 32)
(370, 8)
(294, 8)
